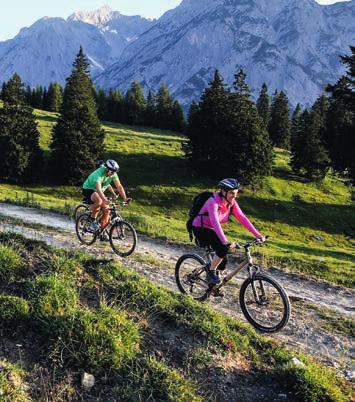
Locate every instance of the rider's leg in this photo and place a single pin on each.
(97, 203)
(222, 265)
(215, 262)
(105, 216)
(221, 251)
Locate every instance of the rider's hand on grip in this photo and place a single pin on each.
(128, 200)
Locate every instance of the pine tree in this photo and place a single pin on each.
(135, 104)
(295, 125)
(340, 120)
(177, 118)
(21, 157)
(114, 105)
(226, 134)
(309, 155)
(54, 98)
(37, 97)
(279, 125)
(298, 143)
(150, 112)
(247, 148)
(208, 122)
(263, 105)
(164, 106)
(101, 103)
(78, 139)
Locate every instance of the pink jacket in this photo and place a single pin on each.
(218, 213)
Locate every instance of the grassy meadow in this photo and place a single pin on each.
(63, 313)
(310, 224)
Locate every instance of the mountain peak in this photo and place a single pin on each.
(98, 17)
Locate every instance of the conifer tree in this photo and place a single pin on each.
(295, 125)
(263, 105)
(340, 120)
(247, 146)
(226, 134)
(177, 118)
(21, 157)
(101, 103)
(114, 105)
(135, 104)
(54, 97)
(279, 125)
(207, 126)
(37, 97)
(150, 112)
(164, 106)
(78, 139)
(309, 155)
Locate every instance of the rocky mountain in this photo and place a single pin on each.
(292, 45)
(45, 51)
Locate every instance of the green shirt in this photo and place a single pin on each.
(99, 175)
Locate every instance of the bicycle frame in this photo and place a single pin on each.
(247, 262)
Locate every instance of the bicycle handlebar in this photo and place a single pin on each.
(250, 244)
(114, 200)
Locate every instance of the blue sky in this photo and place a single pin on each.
(16, 14)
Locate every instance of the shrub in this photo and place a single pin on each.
(14, 312)
(10, 264)
(150, 379)
(11, 388)
(94, 341)
(52, 296)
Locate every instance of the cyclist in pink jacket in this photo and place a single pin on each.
(207, 225)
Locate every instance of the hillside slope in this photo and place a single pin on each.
(65, 313)
(310, 225)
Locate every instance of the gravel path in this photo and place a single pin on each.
(306, 330)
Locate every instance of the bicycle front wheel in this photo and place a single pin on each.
(79, 210)
(190, 276)
(123, 238)
(83, 231)
(264, 303)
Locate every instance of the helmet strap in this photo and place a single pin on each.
(223, 196)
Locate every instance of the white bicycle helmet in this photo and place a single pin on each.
(229, 184)
(112, 165)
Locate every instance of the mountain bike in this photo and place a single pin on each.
(263, 301)
(122, 235)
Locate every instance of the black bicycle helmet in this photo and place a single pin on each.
(229, 184)
(112, 165)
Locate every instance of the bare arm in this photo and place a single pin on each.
(111, 190)
(120, 190)
(101, 193)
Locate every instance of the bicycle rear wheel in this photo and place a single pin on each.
(123, 238)
(190, 276)
(83, 231)
(264, 303)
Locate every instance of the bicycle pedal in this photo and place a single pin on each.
(217, 293)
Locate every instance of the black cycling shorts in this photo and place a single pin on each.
(208, 237)
(87, 193)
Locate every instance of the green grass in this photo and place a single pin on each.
(10, 263)
(102, 318)
(14, 313)
(153, 170)
(11, 383)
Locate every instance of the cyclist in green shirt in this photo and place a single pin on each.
(94, 187)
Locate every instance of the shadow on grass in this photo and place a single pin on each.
(318, 252)
(48, 118)
(151, 169)
(331, 218)
(145, 132)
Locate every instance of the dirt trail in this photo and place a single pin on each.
(306, 330)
